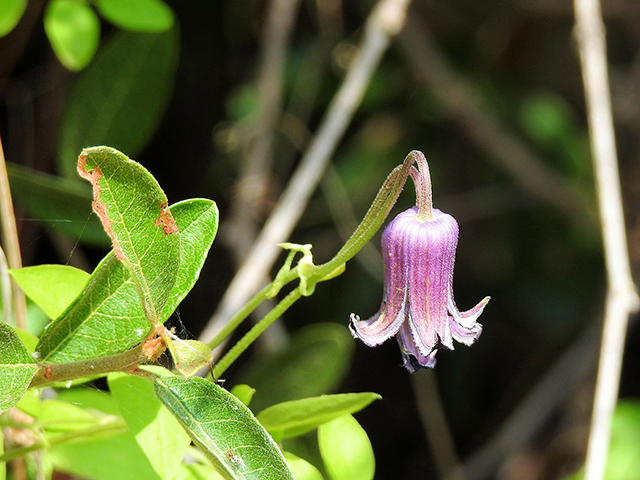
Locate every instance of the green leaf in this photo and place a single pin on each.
(51, 287)
(302, 469)
(158, 433)
(108, 318)
(346, 450)
(313, 363)
(137, 15)
(10, 14)
(224, 428)
(73, 29)
(57, 202)
(118, 457)
(134, 212)
(290, 419)
(17, 368)
(120, 99)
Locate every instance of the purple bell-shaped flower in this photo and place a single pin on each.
(419, 249)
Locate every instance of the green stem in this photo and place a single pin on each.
(375, 217)
(312, 274)
(255, 332)
(115, 426)
(53, 372)
(267, 292)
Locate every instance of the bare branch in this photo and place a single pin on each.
(622, 297)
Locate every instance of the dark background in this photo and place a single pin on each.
(540, 260)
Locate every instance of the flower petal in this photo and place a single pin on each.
(412, 359)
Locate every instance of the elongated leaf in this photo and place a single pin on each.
(158, 433)
(319, 353)
(346, 450)
(73, 29)
(134, 212)
(10, 13)
(17, 368)
(224, 428)
(51, 287)
(137, 15)
(108, 318)
(57, 202)
(120, 99)
(290, 419)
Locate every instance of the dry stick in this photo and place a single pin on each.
(622, 298)
(10, 241)
(253, 185)
(386, 21)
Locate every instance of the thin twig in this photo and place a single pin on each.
(386, 21)
(10, 241)
(252, 188)
(622, 298)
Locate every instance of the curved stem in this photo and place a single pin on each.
(422, 181)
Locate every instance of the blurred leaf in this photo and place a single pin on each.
(224, 428)
(346, 450)
(158, 433)
(10, 14)
(134, 212)
(314, 362)
(17, 368)
(51, 287)
(137, 15)
(73, 29)
(108, 318)
(121, 98)
(118, 457)
(290, 419)
(302, 469)
(244, 393)
(624, 450)
(58, 202)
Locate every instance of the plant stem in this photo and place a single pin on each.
(117, 425)
(422, 181)
(10, 241)
(126, 361)
(252, 334)
(622, 297)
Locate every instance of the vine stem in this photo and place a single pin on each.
(622, 298)
(255, 332)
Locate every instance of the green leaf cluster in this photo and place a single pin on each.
(110, 322)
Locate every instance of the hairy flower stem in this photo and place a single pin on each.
(312, 274)
(422, 181)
